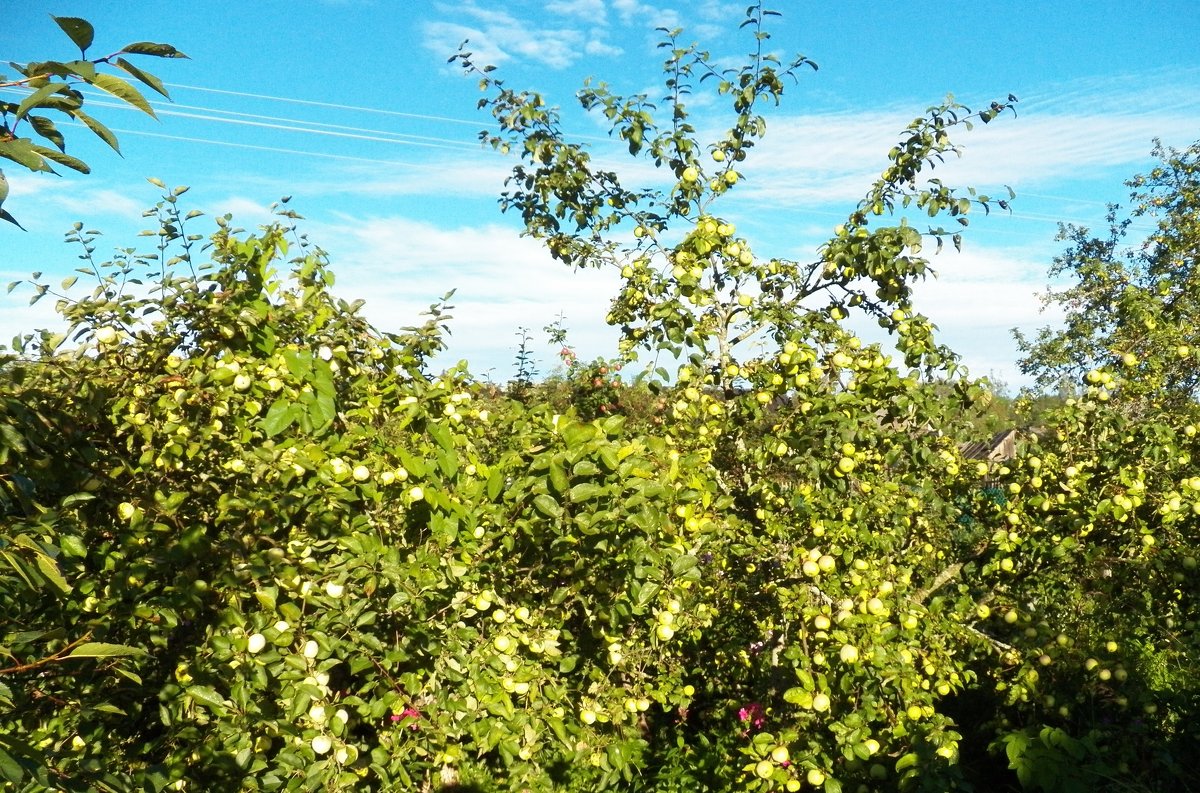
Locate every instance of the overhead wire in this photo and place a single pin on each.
(354, 108)
(219, 115)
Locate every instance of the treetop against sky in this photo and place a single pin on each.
(374, 135)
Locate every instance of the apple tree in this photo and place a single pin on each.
(840, 622)
(1131, 304)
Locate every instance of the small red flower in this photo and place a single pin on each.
(754, 714)
(408, 713)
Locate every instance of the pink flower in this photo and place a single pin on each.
(753, 713)
(408, 713)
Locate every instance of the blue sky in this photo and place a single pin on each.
(350, 107)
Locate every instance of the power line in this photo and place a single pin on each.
(330, 105)
(276, 149)
(356, 108)
(368, 134)
(341, 131)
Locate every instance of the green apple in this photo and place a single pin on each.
(690, 174)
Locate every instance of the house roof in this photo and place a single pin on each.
(1001, 446)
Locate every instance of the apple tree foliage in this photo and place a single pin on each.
(1132, 304)
(273, 549)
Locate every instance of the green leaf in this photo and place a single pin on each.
(683, 564)
(145, 77)
(80, 30)
(207, 696)
(585, 491)
(72, 545)
(84, 70)
(123, 91)
(547, 506)
(74, 163)
(21, 152)
(104, 650)
(10, 769)
(299, 362)
(645, 594)
(279, 417)
(321, 412)
(495, 484)
(102, 132)
(558, 477)
(17, 567)
(104, 707)
(153, 49)
(49, 570)
(35, 99)
(77, 498)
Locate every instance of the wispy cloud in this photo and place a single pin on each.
(498, 36)
(480, 175)
(589, 10)
(503, 281)
(833, 157)
(38, 200)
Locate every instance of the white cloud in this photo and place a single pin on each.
(462, 177)
(596, 46)
(246, 212)
(444, 38)
(500, 36)
(590, 10)
(636, 12)
(105, 202)
(503, 282)
(834, 157)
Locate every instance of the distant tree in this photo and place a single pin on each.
(1135, 307)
